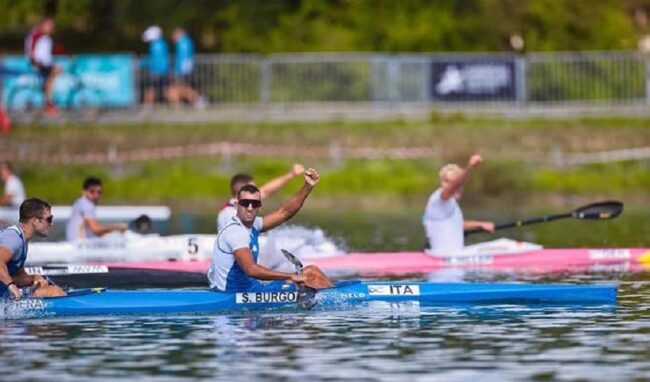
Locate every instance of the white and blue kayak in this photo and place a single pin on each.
(344, 294)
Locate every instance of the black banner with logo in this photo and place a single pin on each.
(474, 79)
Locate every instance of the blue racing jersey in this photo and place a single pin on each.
(13, 239)
(225, 274)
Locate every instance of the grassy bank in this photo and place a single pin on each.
(449, 135)
(515, 170)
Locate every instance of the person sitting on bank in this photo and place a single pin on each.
(35, 220)
(14, 193)
(234, 265)
(443, 219)
(83, 222)
(229, 209)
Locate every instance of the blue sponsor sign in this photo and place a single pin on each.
(102, 80)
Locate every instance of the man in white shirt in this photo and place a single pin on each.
(443, 219)
(39, 47)
(229, 209)
(83, 222)
(14, 193)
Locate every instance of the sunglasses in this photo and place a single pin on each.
(250, 203)
(48, 219)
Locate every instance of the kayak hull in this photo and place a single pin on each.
(345, 294)
(534, 261)
(179, 274)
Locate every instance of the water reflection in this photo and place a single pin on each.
(378, 341)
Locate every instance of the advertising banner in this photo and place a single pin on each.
(474, 79)
(101, 80)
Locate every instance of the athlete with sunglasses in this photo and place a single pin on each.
(229, 209)
(234, 264)
(35, 220)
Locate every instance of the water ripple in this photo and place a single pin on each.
(377, 342)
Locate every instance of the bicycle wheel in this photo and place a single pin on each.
(85, 104)
(25, 103)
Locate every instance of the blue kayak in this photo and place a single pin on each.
(344, 294)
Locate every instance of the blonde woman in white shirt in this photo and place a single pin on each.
(443, 218)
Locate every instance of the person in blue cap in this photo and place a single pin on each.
(155, 79)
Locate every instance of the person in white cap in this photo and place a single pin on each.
(155, 79)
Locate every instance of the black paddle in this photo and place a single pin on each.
(306, 295)
(595, 211)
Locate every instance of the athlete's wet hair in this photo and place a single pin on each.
(237, 181)
(32, 208)
(251, 189)
(91, 181)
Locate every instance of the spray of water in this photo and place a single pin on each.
(305, 243)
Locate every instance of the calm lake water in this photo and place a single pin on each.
(378, 342)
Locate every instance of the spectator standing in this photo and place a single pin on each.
(14, 193)
(38, 48)
(155, 79)
(182, 90)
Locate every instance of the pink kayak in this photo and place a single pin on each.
(395, 263)
(539, 260)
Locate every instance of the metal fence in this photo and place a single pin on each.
(563, 78)
(585, 78)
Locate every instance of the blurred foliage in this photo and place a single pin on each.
(267, 26)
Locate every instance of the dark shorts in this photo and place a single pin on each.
(45, 71)
(158, 83)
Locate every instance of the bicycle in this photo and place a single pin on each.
(75, 95)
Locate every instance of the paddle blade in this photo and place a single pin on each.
(306, 298)
(599, 211)
(292, 259)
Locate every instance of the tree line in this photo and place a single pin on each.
(268, 26)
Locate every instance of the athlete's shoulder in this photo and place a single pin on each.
(10, 237)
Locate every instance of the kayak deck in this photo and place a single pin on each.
(109, 302)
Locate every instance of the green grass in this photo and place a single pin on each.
(612, 178)
(515, 170)
(450, 135)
